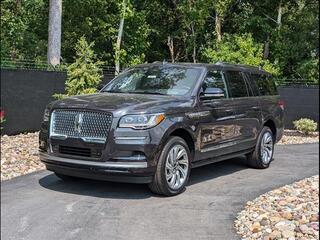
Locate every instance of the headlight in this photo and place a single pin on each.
(46, 115)
(143, 121)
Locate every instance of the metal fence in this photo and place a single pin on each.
(25, 64)
(297, 82)
(109, 71)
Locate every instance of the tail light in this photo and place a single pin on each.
(281, 104)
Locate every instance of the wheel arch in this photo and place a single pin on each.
(185, 132)
(271, 124)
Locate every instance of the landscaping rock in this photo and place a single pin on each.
(290, 212)
(19, 155)
(295, 137)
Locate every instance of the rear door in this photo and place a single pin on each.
(269, 98)
(247, 109)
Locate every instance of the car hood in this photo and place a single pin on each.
(120, 103)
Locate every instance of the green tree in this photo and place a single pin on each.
(193, 18)
(85, 73)
(23, 29)
(221, 8)
(239, 49)
(135, 41)
(289, 31)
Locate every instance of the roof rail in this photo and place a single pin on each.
(240, 65)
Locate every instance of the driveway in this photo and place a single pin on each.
(40, 206)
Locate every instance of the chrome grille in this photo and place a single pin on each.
(88, 125)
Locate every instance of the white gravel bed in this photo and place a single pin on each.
(19, 155)
(295, 137)
(290, 212)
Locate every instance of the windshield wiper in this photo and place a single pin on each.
(147, 92)
(108, 91)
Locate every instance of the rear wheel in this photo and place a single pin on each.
(262, 156)
(173, 168)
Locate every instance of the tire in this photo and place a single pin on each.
(176, 171)
(257, 159)
(65, 177)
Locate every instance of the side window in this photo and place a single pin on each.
(214, 79)
(236, 84)
(252, 85)
(265, 84)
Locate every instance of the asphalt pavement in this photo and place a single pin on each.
(39, 206)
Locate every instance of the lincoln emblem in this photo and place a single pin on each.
(78, 122)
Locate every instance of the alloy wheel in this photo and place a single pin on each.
(177, 166)
(266, 150)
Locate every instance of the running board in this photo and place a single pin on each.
(220, 158)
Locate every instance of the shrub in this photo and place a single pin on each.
(85, 74)
(305, 125)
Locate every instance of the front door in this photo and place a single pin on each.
(217, 131)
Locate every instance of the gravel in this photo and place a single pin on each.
(295, 137)
(19, 155)
(290, 212)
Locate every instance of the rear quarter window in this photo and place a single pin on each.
(265, 84)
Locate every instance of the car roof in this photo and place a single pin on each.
(217, 65)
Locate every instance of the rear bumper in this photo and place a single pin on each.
(131, 172)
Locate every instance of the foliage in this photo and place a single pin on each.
(291, 46)
(193, 15)
(85, 73)
(22, 29)
(305, 125)
(294, 44)
(135, 40)
(239, 49)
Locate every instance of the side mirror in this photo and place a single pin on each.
(212, 93)
(100, 86)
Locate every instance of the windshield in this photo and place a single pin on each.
(166, 80)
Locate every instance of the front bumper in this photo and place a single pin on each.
(127, 155)
(132, 172)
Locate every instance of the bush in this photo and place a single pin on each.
(305, 125)
(85, 74)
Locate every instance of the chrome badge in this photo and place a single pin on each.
(78, 122)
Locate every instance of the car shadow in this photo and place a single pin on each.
(102, 189)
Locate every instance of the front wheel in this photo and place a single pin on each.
(262, 156)
(173, 168)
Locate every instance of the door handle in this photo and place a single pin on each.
(229, 110)
(256, 108)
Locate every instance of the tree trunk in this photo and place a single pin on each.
(194, 54)
(266, 47)
(119, 39)
(218, 27)
(279, 18)
(171, 48)
(54, 34)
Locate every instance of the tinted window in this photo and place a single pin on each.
(156, 80)
(265, 84)
(236, 84)
(214, 79)
(254, 91)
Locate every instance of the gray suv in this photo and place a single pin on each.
(155, 122)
